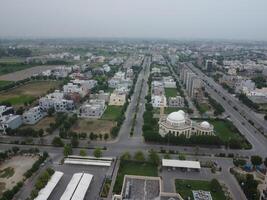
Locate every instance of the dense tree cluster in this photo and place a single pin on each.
(218, 108)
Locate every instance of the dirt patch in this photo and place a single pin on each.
(20, 164)
(95, 126)
(42, 124)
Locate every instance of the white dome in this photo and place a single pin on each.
(205, 124)
(176, 117)
(181, 112)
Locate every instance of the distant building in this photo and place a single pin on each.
(93, 109)
(156, 101)
(117, 99)
(6, 110)
(244, 86)
(177, 101)
(10, 121)
(101, 95)
(157, 88)
(33, 115)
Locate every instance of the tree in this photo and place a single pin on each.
(74, 142)
(98, 152)
(139, 156)
(154, 157)
(106, 136)
(67, 150)
(167, 156)
(126, 156)
(57, 142)
(181, 156)
(215, 185)
(15, 149)
(50, 111)
(256, 160)
(265, 162)
(83, 152)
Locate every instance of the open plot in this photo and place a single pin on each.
(133, 168)
(12, 171)
(112, 112)
(171, 92)
(91, 125)
(42, 124)
(185, 187)
(25, 93)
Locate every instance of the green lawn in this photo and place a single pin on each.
(170, 92)
(133, 168)
(112, 112)
(7, 172)
(185, 187)
(19, 100)
(225, 129)
(4, 83)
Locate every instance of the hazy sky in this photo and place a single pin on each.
(222, 19)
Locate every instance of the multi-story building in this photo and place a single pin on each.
(177, 101)
(63, 105)
(6, 110)
(117, 99)
(10, 121)
(244, 86)
(93, 109)
(101, 95)
(33, 115)
(157, 100)
(169, 82)
(157, 88)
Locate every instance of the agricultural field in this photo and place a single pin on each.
(171, 92)
(12, 171)
(112, 113)
(4, 83)
(28, 92)
(93, 125)
(133, 168)
(185, 187)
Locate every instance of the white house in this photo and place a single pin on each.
(10, 121)
(93, 109)
(63, 105)
(156, 101)
(33, 115)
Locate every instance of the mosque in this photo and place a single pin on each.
(178, 124)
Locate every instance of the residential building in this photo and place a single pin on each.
(101, 95)
(92, 109)
(169, 82)
(117, 99)
(157, 100)
(33, 115)
(157, 88)
(177, 101)
(10, 121)
(244, 86)
(6, 110)
(63, 105)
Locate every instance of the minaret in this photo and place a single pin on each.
(161, 107)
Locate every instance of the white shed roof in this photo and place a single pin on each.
(88, 162)
(83, 186)
(181, 163)
(47, 190)
(71, 186)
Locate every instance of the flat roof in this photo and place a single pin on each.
(181, 163)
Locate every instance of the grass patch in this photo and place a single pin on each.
(133, 168)
(7, 172)
(112, 113)
(4, 83)
(106, 187)
(185, 187)
(171, 92)
(25, 93)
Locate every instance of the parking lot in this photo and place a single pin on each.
(68, 170)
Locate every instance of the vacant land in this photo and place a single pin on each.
(42, 124)
(21, 71)
(133, 168)
(12, 171)
(93, 125)
(25, 93)
(112, 113)
(185, 187)
(171, 92)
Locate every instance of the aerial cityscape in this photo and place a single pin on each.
(109, 101)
